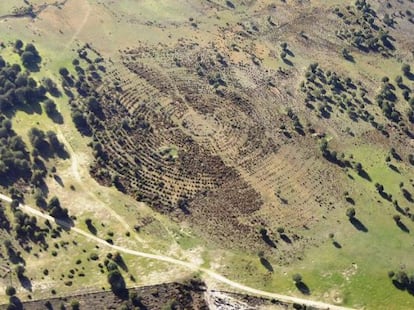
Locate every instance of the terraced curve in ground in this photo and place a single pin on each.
(204, 148)
(167, 259)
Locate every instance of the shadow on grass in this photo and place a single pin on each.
(65, 223)
(266, 264)
(268, 241)
(121, 263)
(15, 301)
(285, 238)
(288, 62)
(358, 224)
(25, 282)
(59, 180)
(394, 168)
(56, 117)
(410, 76)
(363, 174)
(92, 229)
(402, 226)
(303, 288)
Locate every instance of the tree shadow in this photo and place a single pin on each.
(394, 168)
(55, 92)
(183, 205)
(15, 257)
(65, 223)
(266, 264)
(121, 293)
(288, 62)
(62, 153)
(14, 300)
(92, 228)
(349, 57)
(137, 302)
(350, 200)
(398, 285)
(289, 52)
(300, 131)
(25, 282)
(59, 180)
(358, 224)
(56, 117)
(410, 76)
(325, 114)
(337, 245)
(387, 43)
(33, 66)
(403, 86)
(285, 238)
(363, 174)
(403, 227)
(385, 195)
(268, 241)
(303, 288)
(68, 93)
(407, 195)
(121, 263)
(399, 209)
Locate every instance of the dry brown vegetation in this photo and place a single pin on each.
(255, 123)
(216, 132)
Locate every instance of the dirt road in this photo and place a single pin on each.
(214, 275)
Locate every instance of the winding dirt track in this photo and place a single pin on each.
(80, 27)
(212, 274)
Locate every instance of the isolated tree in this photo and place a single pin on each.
(18, 44)
(402, 277)
(19, 270)
(10, 291)
(411, 159)
(21, 80)
(396, 218)
(358, 167)
(79, 119)
(379, 187)
(398, 79)
(28, 59)
(63, 71)
(74, 304)
(50, 86)
(31, 48)
(297, 278)
(112, 266)
(350, 212)
(7, 244)
(346, 54)
(116, 281)
(50, 107)
(406, 69)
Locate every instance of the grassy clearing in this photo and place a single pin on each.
(95, 202)
(7, 7)
(355, 274)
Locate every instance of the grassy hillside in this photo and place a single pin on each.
(236, 135)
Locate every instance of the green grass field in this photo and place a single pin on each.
(353, 273)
